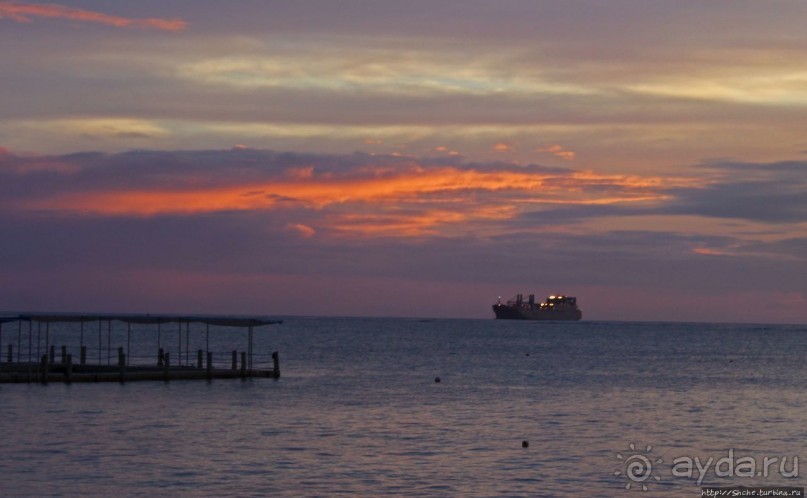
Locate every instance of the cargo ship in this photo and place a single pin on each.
(554, 308)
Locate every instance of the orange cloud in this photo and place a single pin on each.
(26, 12)
(300, 186)
(445, 150)
(404, 197)
(559, 151)
(503, 147)
(304, 231)
(708, 251)
(415, 185)
(406, 223)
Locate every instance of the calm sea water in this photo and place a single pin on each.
(357, 412)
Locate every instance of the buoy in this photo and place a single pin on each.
(437, 379)
(525, 444)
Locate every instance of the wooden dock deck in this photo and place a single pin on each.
(16, 373)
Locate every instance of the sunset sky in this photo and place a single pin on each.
(405, 158)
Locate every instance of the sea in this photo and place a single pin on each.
(421, 407)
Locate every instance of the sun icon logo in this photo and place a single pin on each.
(638, 467)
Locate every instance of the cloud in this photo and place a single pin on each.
(298, 78)
(559, 151)
(357, 194)
(26, 12)
(378, 195)
(503, 147)
(302, 230)
(764, 192)
(641, 91)
(228, 224)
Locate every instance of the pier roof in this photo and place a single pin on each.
(221, 321)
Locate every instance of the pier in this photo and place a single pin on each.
(95, 349)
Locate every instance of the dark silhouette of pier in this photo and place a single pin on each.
(29, 362)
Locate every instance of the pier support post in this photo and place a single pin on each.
(43, 368)
(68, 369)
(52, 353)
(243, 363)
(160, 357)
(235, 360)
(209, 365)
(276, 361)
(122, 364)
(167, 365)
(83, 359)
(64, 354)
(199, 363)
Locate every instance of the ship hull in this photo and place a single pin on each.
(504, 312)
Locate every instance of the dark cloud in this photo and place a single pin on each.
(765, 192)
(543, 245)
(774, 202)
(87, 171)
(799, 167)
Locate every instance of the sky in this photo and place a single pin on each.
(412, 159)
